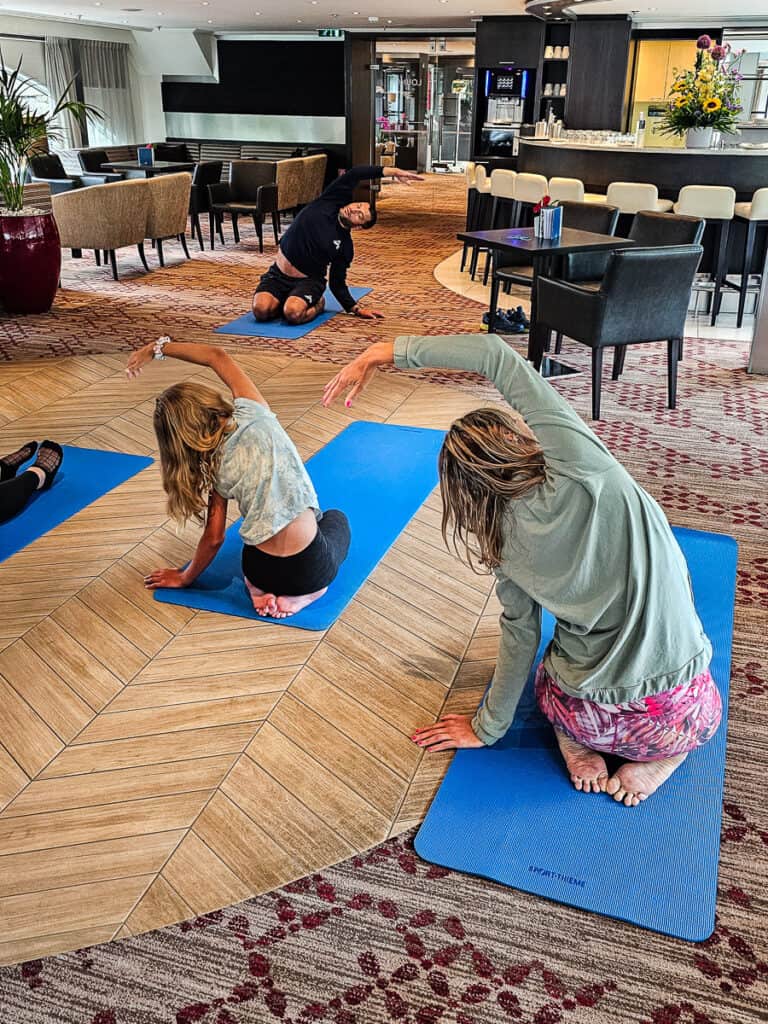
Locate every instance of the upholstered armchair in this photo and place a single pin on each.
(250, 192)
(642, 298)
(172, 152)
(299, 180)
(104, 218)
(206, 173)
(49, 169)
(168, 210)
(92, 162)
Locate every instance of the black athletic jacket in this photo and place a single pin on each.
(317, 244)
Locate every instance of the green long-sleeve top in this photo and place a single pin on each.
(589, 544)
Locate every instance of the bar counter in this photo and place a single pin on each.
(669, 169)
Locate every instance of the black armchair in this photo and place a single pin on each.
(173, 152)
(92, 161)
(48, 168)
(642, 298)
(248, 192)
(205, 174)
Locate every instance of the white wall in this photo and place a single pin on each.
(147, 98)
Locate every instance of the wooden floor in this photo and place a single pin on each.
(157, 763)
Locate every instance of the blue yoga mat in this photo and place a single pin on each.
(249, 326)
(510, 813)
(379, 475)
(85, 475)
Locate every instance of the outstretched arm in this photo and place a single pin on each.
(207, 548)
(222, 364)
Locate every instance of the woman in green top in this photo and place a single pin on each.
(537, 499)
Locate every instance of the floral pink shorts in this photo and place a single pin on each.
(647, 729)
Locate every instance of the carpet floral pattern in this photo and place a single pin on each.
(383, 936)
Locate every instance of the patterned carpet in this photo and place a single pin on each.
(385, 937)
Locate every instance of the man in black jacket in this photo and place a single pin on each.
(317, 243)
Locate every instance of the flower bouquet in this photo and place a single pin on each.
(547, 219)
(705, 98)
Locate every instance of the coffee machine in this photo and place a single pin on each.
(506, 101)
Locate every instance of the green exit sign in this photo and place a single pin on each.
(331, 33)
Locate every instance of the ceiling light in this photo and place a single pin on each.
(97, 4)
(210, 21)
(206, 3)
(299, 21)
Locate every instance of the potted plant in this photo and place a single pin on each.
(30, 252)
(705, 98)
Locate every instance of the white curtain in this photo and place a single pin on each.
(106, 80)
(59, 73)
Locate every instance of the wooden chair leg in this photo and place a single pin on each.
(276, 225)
(558, 341)
(494, 211)
(672, 360)
(464, 252)
(538, 341)
(619, 354)
(235, 230)
(749, 248)
(113, 262)
(473, 261)
(597, 381)
(97, 254)
(211, 226)
(487, 268)
(142, 255)
(77, 254)
(183, 240)
(220, 226)
(680, 351)
(159, 245)
(197, 231)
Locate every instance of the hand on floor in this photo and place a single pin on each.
(449, 732)
(165, 578)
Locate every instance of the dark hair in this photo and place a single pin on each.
(372, 221)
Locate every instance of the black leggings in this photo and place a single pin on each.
(15, 493)
(307, 571)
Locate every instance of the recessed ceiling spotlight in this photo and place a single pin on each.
(299, 21)
(210, 21)
(206, 3)
(389, 21)
(97, 4)
(355, 12)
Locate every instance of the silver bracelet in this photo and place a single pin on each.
(158, 349)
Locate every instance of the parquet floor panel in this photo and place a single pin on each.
(160, 762)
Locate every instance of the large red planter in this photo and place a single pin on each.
(30, 262)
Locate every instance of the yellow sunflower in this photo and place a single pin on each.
(712, 104)
(681, 101)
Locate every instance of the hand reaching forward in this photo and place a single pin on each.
(138, 358)
(449, 732)
(353, 378)
(401, 176)
(165, 578)
(367, 314)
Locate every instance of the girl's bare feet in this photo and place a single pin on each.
(263, 603)
(587, 768)
(290, 605)
(637, 780)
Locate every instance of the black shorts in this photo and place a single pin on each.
(282, 287)
(307, 571)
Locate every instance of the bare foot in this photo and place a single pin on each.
(290, 605)
(587, 768)
(636, 780)
(263, 604)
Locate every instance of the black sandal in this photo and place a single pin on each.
(10, 463)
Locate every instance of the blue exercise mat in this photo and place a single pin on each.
(249, 326)
(379, 475)
(85, 475)
(510, 813)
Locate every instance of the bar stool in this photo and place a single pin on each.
(529, 190)
(482, 212)
(631, 197)
(716, 204)
(566, 190)
(470, 172)
(503, 193)
(755, 214)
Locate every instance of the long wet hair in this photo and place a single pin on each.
(485, 462)
(190, 421)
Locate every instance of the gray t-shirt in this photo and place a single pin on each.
(262, 471)
(589, 544)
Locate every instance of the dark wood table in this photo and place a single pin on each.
(158, 167)
(544, 255)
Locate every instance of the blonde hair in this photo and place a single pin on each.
(486, 461)
(190, 422)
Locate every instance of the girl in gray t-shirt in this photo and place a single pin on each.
(213, 449)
